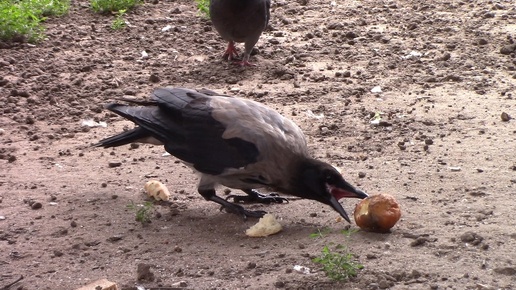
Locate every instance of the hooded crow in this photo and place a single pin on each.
(240, 21)
(235, 142)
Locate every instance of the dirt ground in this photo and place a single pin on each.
(439, 75)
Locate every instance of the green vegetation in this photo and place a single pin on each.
(113, 6)
(349, 232)
(204, 7)
(338, 265)
(143, 211)
(320, 233)
(21, 19)
(119, 21)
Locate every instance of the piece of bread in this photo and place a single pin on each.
(266, 226)
(157, 190)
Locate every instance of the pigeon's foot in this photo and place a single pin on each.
(254, 196)
(231, 52)
(244, 63)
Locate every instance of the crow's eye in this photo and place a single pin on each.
(330, 179)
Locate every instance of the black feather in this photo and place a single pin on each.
(181, 119)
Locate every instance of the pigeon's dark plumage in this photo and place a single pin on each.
(235, 142)
(240, 21)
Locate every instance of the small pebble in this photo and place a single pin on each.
(505, 117)
(36, 205)
(471, 238)
(73, 224)
(112, 164)
(57, 253)
(143, 273)
(508, 49)
(384, 284)
(115, 238)
(509, 271)
(371, 256)
(180, 284)
(446, 56)
(419, 242)
(154, 78)
(279, 284)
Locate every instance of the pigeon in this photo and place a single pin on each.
(240, 21)
(235, 142)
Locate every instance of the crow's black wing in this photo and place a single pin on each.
(182, 120)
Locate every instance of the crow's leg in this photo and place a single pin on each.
(209, 194)
(253, 196)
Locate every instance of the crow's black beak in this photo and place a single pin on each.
(338, 207)
(343, 190)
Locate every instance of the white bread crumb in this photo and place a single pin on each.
(266, 226)
(157, 190)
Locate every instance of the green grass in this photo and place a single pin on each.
(204, 7)
(143, 212)
(119, 21)
(349, 232)
(339, 265)
(21, 19)
(113, 6)
(320, 233)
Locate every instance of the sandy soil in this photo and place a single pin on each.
(446, 70)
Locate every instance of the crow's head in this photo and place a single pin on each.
(320, 181)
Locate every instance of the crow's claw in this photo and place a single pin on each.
(254, 196)
(239, 210)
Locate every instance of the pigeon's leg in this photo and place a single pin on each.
(249, 44)
(245, 63)
(209, 194)
(253, 196)
(245, 60)
(231, 52)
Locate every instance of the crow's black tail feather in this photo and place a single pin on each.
(135, 135)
